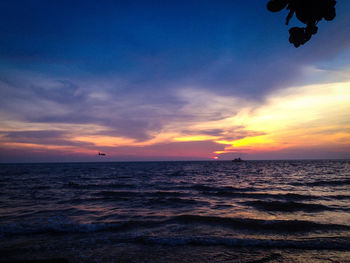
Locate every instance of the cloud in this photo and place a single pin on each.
(43, 100)
(41, 138)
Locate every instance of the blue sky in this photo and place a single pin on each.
(135, 79)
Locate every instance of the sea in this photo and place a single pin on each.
(210, 211)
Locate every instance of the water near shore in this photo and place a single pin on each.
(254, 211)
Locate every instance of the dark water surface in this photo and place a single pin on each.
(254, 211)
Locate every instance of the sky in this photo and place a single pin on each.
(169, 80)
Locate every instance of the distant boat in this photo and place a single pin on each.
(102, 154)
(237, 160)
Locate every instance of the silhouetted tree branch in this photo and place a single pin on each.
(309, 12)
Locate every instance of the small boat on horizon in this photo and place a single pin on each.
(102, 154)
(237, 160)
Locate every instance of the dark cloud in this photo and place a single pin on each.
(62, 101)
(14, 155)
(42, 137)
(212, 132)
(41, 134)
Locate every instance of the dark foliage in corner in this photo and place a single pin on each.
(309, 12)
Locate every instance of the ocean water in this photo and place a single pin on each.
(254, 211)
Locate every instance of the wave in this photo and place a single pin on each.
(99, 186)
(178, 173)
(107, 194)
(236, 193)
(288, 196)
(319, 243)
(316, 243)
(166, 193)
(158, 198)
(287, 206)
(61, 225)
(261, 225)
(201, 187)
(246, 192)
(144, 194)
(223, 193)
(338, 197)
(175, 202)
(325, 183)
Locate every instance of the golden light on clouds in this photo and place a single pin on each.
(304, 116)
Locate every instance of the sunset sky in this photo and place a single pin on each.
(169, 80)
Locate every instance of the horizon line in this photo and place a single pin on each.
(159, 161)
